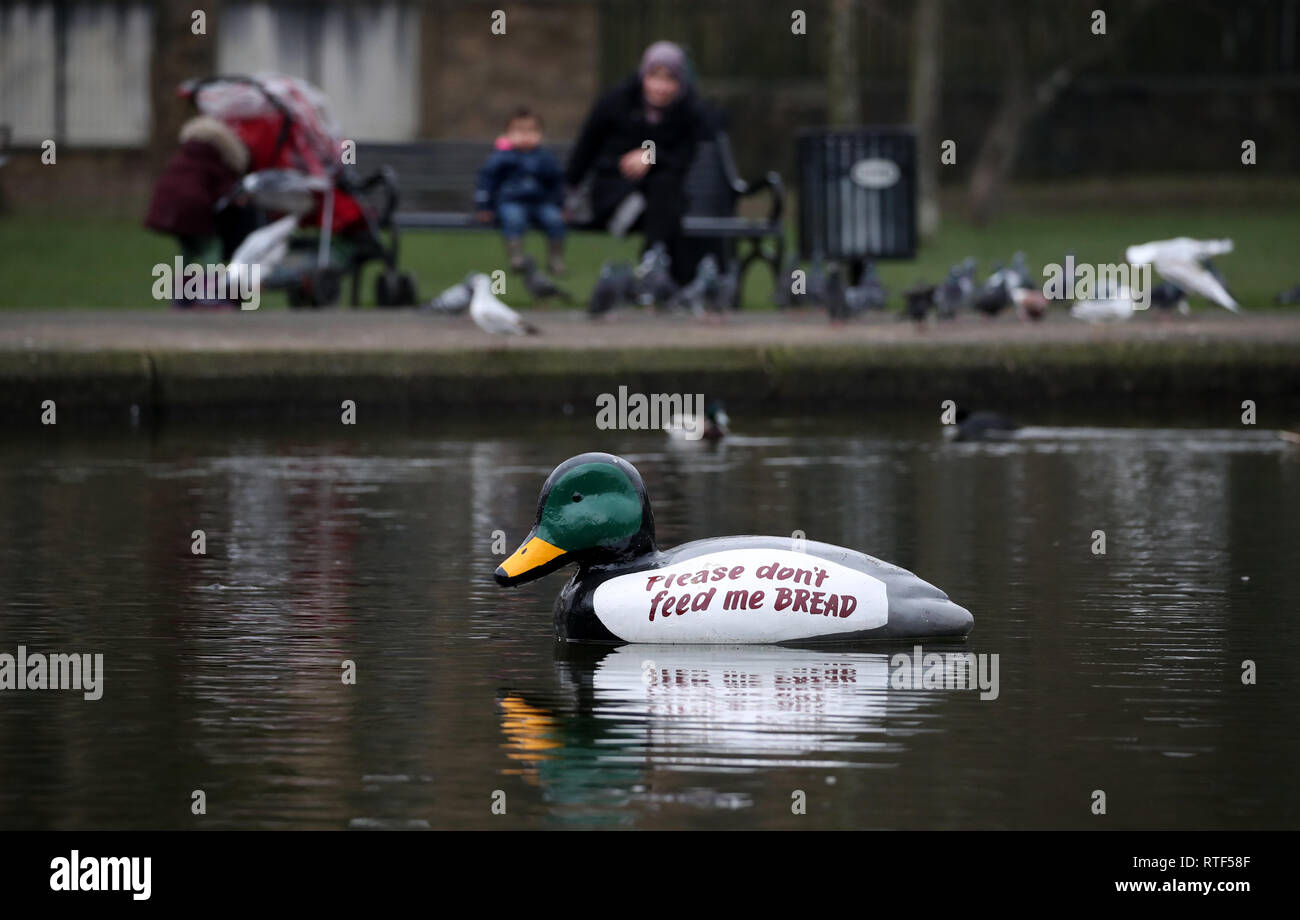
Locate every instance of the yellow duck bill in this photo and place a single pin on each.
(534, 558)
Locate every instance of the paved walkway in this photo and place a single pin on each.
(166, 330)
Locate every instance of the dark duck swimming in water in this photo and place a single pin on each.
(594, 511)
(982, 426)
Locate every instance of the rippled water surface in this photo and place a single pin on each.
(1119, 672)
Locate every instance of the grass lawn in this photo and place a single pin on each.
(104, 262)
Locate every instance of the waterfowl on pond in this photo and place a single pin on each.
(690, 427)
(594, 512)
(982, 426)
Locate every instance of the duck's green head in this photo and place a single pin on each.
(593, 509)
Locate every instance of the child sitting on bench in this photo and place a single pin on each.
(522, 185)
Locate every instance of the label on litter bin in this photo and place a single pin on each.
(875, 173)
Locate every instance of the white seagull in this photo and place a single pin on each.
(491, 315)
(1179, 260)
(265, 246)
(1112, 305)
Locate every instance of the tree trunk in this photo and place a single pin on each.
(1024, 100)
(178, 55)
(1002, 137)
(998, 154)
(843, 108)
(925, 99)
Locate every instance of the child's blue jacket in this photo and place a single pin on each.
(522, 176)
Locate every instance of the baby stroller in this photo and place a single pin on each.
(296, 178)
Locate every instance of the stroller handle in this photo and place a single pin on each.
(190, 90)
(386, 179)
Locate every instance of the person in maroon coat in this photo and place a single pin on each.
(629, 188)
(210, 161)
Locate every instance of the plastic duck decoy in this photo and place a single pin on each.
(594, 511)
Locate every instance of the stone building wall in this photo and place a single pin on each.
(548, 59)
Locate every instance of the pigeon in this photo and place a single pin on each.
(1031, 305)
(1018, 274)
(710, 290)
(920, 298)
(453, 300)
(957, 290)
(1181, 261)
(655, 285)
(814, 286)
(729, 287)
(993, 295)
(702, 292)
(540, 286)
(1025, 291)
(868, 294)
(1167, 296)
(615, 286)
(1011, 285)
(834, 296)
(815, 292)
(491, 315)
(782, 295)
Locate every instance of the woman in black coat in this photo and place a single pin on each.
(655, 104)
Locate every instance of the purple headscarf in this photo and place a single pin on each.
(671, 58)
(667, 55)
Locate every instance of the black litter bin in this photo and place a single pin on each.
(857, 194)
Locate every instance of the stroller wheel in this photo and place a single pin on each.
(406, 293)
(388, 289)
(323, 288)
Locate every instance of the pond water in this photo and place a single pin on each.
(1119, 672)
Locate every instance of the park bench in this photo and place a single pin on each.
(436, 181)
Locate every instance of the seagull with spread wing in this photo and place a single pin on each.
(1182, 261)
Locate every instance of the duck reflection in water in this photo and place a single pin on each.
(636, 725)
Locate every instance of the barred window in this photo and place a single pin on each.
(76, 73)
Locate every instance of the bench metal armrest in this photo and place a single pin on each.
(771, 181)
(775, 187)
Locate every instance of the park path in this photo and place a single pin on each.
(371, 330)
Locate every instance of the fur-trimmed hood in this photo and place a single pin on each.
(209, 130)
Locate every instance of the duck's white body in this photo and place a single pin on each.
(755, 590)
(742, 595)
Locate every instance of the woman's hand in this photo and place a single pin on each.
(484, 217)
(633, 164)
